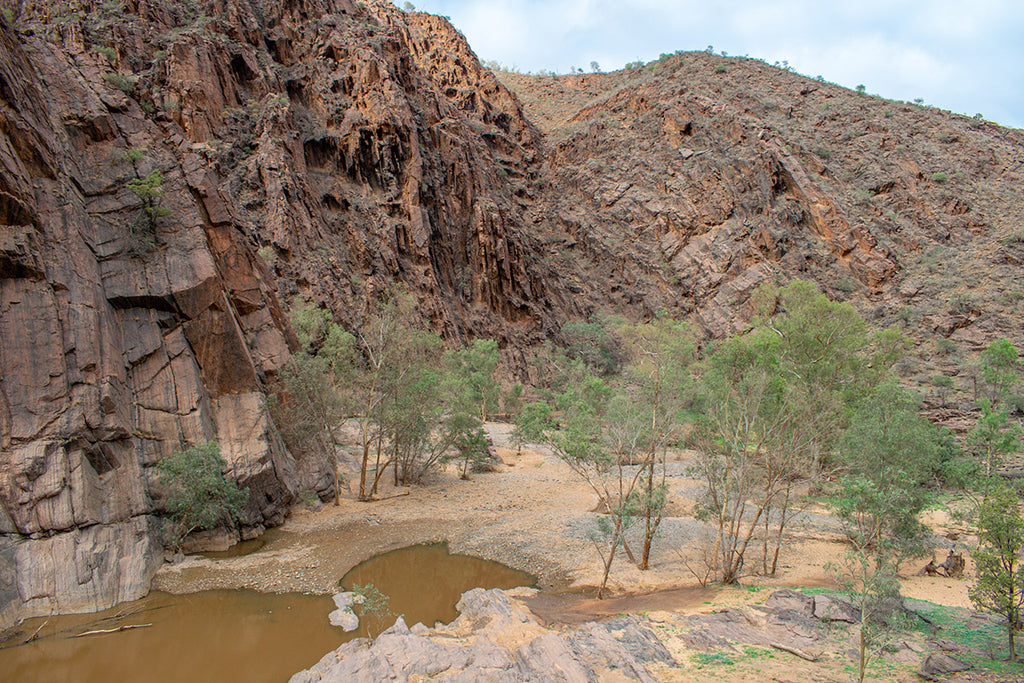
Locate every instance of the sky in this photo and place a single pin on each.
(964, 56)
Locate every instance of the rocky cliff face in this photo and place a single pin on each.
(350, 146)
(328, 149)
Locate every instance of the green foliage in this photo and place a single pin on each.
(198, 494)
(318, 334)
(596, 344)
(371, 606)
(703, 659)
(266, 254)
(589, 441)
(122, 82)
(471, 444)
(473, 367)
(889, 452)
(108, 52)
(943, 384)
(314, 391)
(1000, 584)
(151, 191)
(999, 368)
(533, 423)
(940, 177)
(992, 437)
(871, 582)
(774, 403)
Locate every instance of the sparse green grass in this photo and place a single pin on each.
(987, 641)
(703, 659)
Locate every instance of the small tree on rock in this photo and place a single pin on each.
(198, 494)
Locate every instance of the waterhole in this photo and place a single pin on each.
(239, 635)
(423, 582)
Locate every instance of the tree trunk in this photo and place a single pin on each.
(332, 458)
(362, 470)
(608, 566)
(862, 654)
(648, 528)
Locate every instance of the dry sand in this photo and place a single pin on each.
(533, 514)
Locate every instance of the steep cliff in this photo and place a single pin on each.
(350, 146)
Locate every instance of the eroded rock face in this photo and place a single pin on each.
(353, 146)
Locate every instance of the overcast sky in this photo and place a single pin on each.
(964, 56)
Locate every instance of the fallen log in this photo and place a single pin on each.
(795, 651)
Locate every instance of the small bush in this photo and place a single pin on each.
(122, 82)
(962, 305)
(199, 496)
(822, 152)
(108, 52)
(940, 177)
(721, 68)
(844, 285)
(945, 347)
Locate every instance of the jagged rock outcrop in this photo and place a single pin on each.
(122, 337)
(683, 185)
(496, 638)
(328, 147)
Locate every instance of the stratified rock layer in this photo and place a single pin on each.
(351, 146)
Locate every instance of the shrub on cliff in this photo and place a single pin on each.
(199, 496)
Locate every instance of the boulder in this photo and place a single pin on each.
(834, 608)
(938, 665)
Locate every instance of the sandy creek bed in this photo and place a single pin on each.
(532, 514)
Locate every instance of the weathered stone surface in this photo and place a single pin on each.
(938, 665)
(495, 639)
(86, 569)
(833, 608)
(344, 616)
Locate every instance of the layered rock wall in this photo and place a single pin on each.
(325, 147)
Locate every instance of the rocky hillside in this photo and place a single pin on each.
(174, 174)
(682, 185)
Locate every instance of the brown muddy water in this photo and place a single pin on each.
(238, 635)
